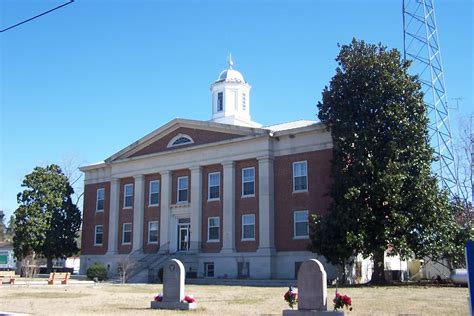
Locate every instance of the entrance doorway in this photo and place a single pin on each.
(184, 234)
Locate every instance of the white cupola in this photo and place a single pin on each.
(231, 98)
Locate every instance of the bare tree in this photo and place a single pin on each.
(29, 267)
(124, 267)
(464, 149)
(70, 166)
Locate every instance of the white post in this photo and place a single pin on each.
(138, 212)
(229, 207)
(196, 208)
(266, 204)
(165, 210)
(113, 216)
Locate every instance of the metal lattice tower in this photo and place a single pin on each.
(421, 44)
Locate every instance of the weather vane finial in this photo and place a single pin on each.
(229, 60)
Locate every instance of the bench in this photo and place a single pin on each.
(58, 276)
(9, 275)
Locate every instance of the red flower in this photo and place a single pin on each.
(341, 301)
(159, 297)
(189, 299)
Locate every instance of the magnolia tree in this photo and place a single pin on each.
(383, 192)
(47, 221)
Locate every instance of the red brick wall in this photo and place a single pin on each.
(92, 218)
(174, 184)
(151, 214)
(211, 209)
(125, 216)
(286, 202)
(245, 205)
(199, 137)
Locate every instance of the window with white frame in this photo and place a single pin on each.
(98, 235)
(213, 226)
(99, 205)
(179, 140)
(300, 176)
(153, 232)
(209, 269)
(301, 227)
(154, 193)
(214, 185)
(248, 181)
(244, 101)
(126, 233)
(248, 227)
(128, 195)
(220, 101)
(182, 189)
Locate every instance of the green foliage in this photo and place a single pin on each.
(47, 221)
(98, 271)
(455, 252)
(383, 190)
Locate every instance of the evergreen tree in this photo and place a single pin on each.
(384, 194)
(47, 221)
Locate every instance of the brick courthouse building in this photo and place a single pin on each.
(227, 197)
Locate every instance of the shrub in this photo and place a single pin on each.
(98, 271)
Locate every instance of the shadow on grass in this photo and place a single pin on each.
(48, 295)
(190, 311)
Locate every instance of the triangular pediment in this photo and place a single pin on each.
(183, 133)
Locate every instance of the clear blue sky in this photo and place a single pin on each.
(91, 78)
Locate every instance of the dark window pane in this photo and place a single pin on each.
(183, 196)
(214, 192)
(300, 183)
(249, 188)
(154, 199)
(301, 229)
(249, 231)
(100, 205)
(214, 233)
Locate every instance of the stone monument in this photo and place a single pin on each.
(173, 288)
(312, 291)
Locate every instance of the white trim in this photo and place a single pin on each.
(218, 229)
(171, 142)
(209, 186)
(95, 235)
(97, 200)
(294, 224)
(149, 193)
(248, 215)
(187, 190)
(123, 233)
(306, 175)
(157, 232)
(125, 195)
(248, 195)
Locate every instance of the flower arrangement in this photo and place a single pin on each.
(341, 301)
(189, 299)
(291, 296)
(158, 297)
(186, 299)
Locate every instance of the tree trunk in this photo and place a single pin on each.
(378, 276)
(49, 265)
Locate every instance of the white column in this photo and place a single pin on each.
(266, 204)
(228, 199)
(165, 187)
(196, 208)
(138, 213)
(113, 215)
